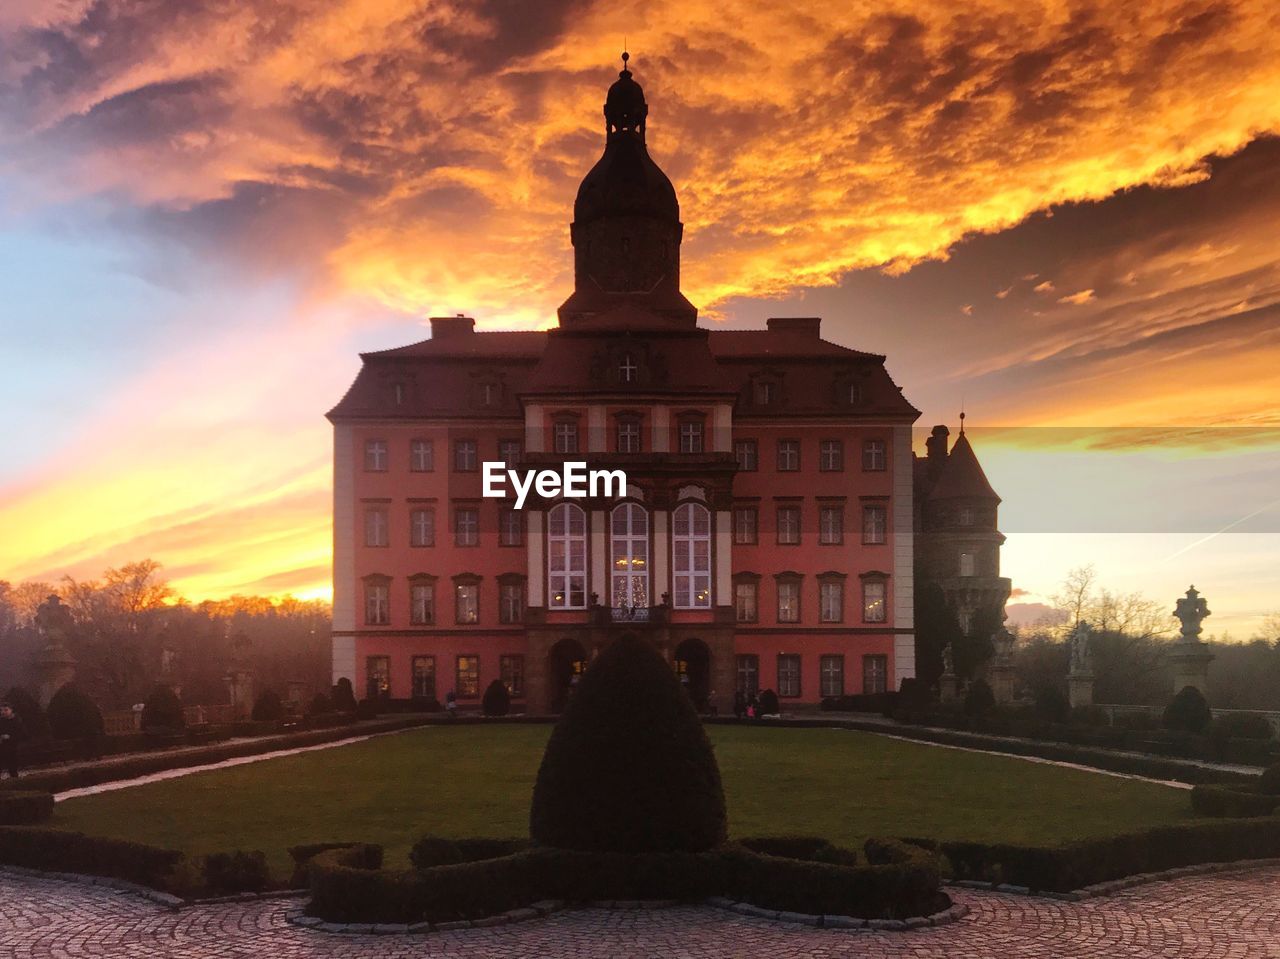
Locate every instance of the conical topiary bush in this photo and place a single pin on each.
(629, 767)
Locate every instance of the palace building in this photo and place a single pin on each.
(767, 534)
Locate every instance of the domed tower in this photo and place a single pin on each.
(626, 228)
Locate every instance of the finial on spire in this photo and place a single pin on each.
(962, 421)
(625, 57)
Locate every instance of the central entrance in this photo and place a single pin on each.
(566, 663)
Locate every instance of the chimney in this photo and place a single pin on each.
(806, 326)
(936, 445)
(447, 327)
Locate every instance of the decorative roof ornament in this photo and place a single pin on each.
(625, 109)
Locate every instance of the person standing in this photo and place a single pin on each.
(12, 732)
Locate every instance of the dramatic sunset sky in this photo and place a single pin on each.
(1062, 215)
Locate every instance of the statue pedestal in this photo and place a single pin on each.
(1080, 689)
(240, 689)
(1001, 676)
(55, 667)
(1190, 666)
(949, 687)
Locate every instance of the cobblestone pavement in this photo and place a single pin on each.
(1228, 915)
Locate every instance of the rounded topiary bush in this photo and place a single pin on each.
(344, 697)
(769, 705)
(163, 710)
(73, 715)
(27, 708)
(629, 767)
(497, 700)
(979, 700)
(320, 704)
(1269, 781)
(1051, 704)
(268, 707)
(1188, 712)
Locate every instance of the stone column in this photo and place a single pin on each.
(54, 665)
(1189, 656)
(1080, 676)
(949, 682)
(1080, 689)
(1000, 670)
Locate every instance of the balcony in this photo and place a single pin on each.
(630, 614)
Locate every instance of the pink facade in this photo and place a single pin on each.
(765, 536)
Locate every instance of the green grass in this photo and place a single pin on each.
(477, 781)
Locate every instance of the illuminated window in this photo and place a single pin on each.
(831, 456)
(788, 675)
(422, 456)
(422, 527)
(511, 669)
(375, 527)
(788, 525)
(567, 557)
(831, 525)
(377, 677)
(873, 456)
(873, 601)
(789, 600)
(629, 556)
(468, 686)
(466, 603)
(874, 522)
(375, 455)
(745, 600)
(691, 556)
(423, 677)
(831, 676)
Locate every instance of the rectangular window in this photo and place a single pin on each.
(375, 527)
(744, 600)
(468, 686)
(831, 456)
(966, 516)
(875, 673)
(966, 564)
(873, 456)
(424, 677)
(874, 520)
(873, 601)
(509, 451)
(831, 525)
(422, 456)
(747, 454)
(748, 665)
(566, 436)
(629, 436)
(422, 604)
(375, 456)
(831, 605)
(466, 603)
(422, 527)
(789, 601)
(788, 675)
(788, 525)
(746, 525)
(377, 677)
(788, 456)
(377, 609)
(765, 393)
(511, 603)
(512, 670)
(466, 527)
(691, 436)
(691, 556)
(510, 527)
(831, 675)
(465, 458)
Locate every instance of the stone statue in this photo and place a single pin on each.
(1191, 611)
(948, 661)
(1080, 653)
(53, 619)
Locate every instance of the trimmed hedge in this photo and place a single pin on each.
(348, 886)
(432, 851)
(1208, 800)
(497, 700)
(1188, 711)
(883, 703)
(805, 848)
(1078, 864)
(38, 847)
(238, 871)
(24, 807)
(1269, 781)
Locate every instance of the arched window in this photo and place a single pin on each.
(691, 556)
(567, 557)
(629, 556)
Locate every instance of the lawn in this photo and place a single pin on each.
(477, 781)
